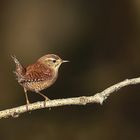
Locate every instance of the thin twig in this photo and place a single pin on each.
(83, 100)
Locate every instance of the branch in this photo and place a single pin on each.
(83, 100)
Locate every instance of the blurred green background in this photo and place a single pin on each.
(102, 41)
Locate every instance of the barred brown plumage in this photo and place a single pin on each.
(39, 75)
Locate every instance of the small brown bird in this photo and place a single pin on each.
(39, 75)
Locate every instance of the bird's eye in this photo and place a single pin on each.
(54, 61)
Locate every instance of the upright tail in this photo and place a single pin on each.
(20, 70)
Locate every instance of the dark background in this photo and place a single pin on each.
(102, 41)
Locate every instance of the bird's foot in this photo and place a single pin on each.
(27, 105)
(46, 99)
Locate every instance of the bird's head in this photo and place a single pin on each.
(52, 60)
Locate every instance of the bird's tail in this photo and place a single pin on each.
(20, 70)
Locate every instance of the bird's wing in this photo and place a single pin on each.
(38, 72)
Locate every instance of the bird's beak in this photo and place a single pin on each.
(64, 61)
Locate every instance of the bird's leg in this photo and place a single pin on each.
(46, 98)
(27, 100)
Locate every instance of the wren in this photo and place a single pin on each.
(38, 76)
